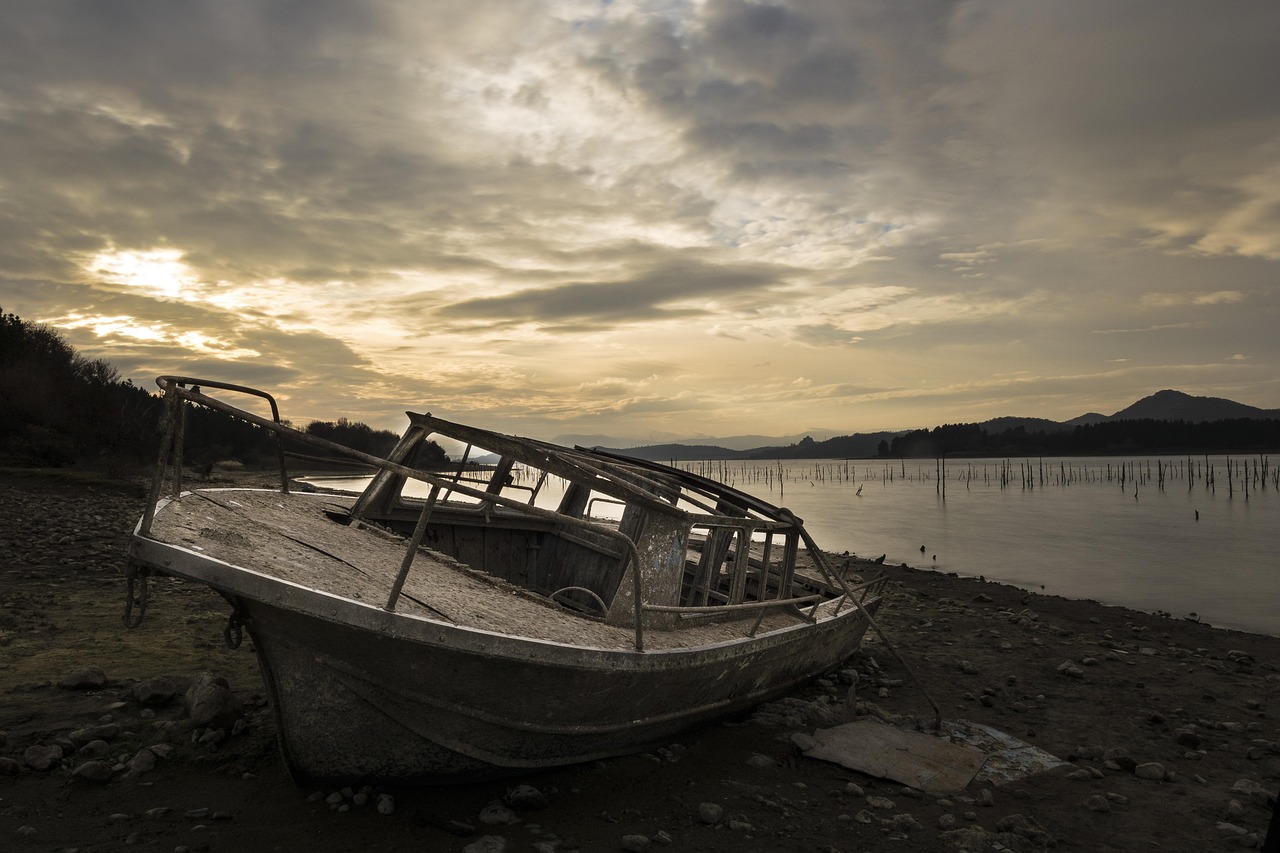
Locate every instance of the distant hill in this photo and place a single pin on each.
(1007, 433)
(677, 452)
(1028, 424)
(1177, 406)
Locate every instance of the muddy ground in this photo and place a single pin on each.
(1167, 726)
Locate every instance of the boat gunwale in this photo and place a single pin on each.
(279, 592)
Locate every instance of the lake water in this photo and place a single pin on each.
(1100, 528)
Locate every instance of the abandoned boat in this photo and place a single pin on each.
(472, 630)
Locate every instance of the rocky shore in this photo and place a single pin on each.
(159, 737)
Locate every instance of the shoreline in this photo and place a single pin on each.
(1106, 688)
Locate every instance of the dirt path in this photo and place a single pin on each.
(1168, 726)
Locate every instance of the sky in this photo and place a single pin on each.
(653, 220)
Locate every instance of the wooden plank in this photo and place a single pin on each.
(924, 761)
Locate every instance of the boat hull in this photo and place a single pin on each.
(355, 705)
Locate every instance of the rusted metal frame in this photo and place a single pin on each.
(179, 439)
(613, 501)
(630, 553)
(762, 587)
(157, 477)
(411, 549)
(741, 564)
(732, 608)
(377, 488)
(820, 558)
(721, 520)
(721, 491)
(462, 463)
(571, 465)
(787, 571)
(196, 384)
(707, 567)
(537, 487)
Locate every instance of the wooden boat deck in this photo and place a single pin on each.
(290, 537)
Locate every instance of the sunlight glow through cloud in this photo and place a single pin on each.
(157, 271)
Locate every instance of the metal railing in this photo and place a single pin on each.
(179, 390)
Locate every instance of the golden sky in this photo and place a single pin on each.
(653, 220)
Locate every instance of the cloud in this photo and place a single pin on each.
(513, 207)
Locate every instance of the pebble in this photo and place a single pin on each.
(1098, 803)
(946, 821)
(97, 772)
(525, 797)
(141, 762)
(1152, 770)
(42, 757)
(386, 805)
(635, 843)
(107, 731)
(883, 803)
(496, 813)
(710, 813)
(1070, 669)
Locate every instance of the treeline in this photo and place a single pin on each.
(1125, 436)
(60, 409)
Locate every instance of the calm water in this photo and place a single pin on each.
(1074, 529)
(1090, 538)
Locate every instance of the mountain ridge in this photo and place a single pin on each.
(1164, 405)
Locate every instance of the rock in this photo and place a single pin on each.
(710, 813)
(88, 678)
(1187, 737)
(760, 761)
(10, 767)
(97, 772)
(1232, 833)
(109, 731)
(635, 843)
(152, 692)
(803, 742)
(663, 837)
(904, 822)
(496, 813)
(210, 702)
(1251, 789)
(1069, 669)
(142, 761)
(94, 749)
(1027, 828)
(882, 803)
(385, 805)
(525, 797)
(1098, 803)
(946, 821)
(853, 789)
(42, 757)
(487, 844)
(986, 797)
(1152, 770)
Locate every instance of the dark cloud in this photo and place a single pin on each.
(650, 295)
